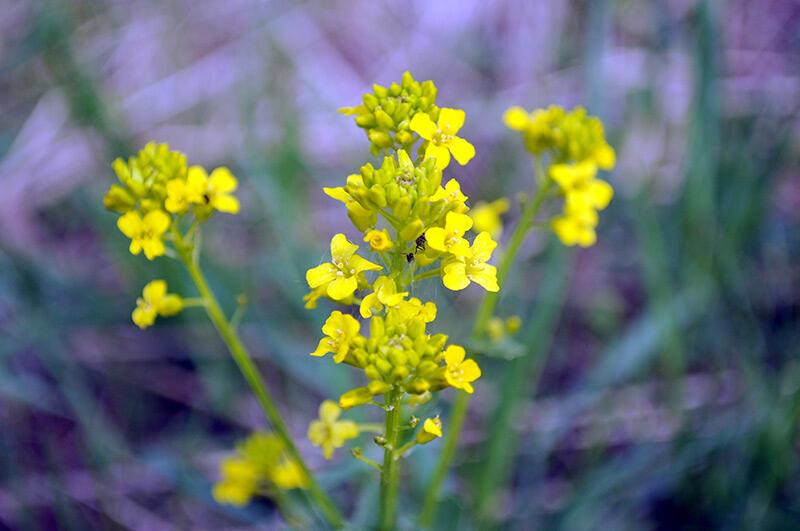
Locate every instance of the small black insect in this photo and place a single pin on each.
(410, 257)
(422, 243)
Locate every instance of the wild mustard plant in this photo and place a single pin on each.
(568, 149)
(163, 204)
(416, 228)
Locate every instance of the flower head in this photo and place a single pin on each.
(431, 430)
(340, 330)
(460, 373)
(155, 301)
(340, 276)
(458, 271)
(450, 239)
(329, 432)
(239, 482)
(384, 294)
(441, 137)
(452, 196)
(210, 192)
(146, 233)
(379, 240)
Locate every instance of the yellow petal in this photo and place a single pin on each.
(143, 317)
(451, 120)
(225, 203)
(470, 370)
(454, 355)
(341, 248)
(359, 264)
(329, 411)
(156, 221)
(440, 153)
(323, 347)
(435, 237)
(222, 180)
(483, 246)
(516, 118)
(196, 178)
(339, 193)
(601, 193)
(455, 276)
(130, 224)
(486, 277)
(369, 304)
(342, 287)
(458, 223)
(462, 150)
(153, 248)
(322, 274)
(422, 124)
(605, 157)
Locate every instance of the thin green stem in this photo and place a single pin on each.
(427, 274)
(248, 369)
(484, 313)
(391, 464)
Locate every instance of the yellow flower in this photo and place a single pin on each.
(379, 240)
(384, 294)
(450, 239)
(516, 118)
(340, 330)
(569, 176)
(458, 272)
(605, 157)
(486, 216)
(155, 301)
(212, 191)
(238, 484)
(287, 475)
(441, 136)
(328, 432)
(414, 308)
(576, 227)
(460, 373)
(146, 232)
(431, 430)
(341, 274)
(452, 196)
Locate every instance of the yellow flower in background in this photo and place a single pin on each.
(486, 216)
(329, 432)
(452, 195)
(569, 176)
(431, 430)
(213, 190)
(458, 272)
(146, 233)
(340, 276)
(576, 227)
(460, 373)
(605, 157)
(379, 240)
(441, 136)
(287, 475)
(239, 482)
(155, 301)
(450, 239)
(384, 294)
(340, 330)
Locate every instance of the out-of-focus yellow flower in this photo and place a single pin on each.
(341, 274)
(384, 294)
(498, 328)
(431, 430)
(287, 475)
(452, 196)
(239, 482)
(340, 331)
(441, 137)
(379, 240)
(576, 227)
(155, 301)
(329, 432)
(516, 118)
(146, 233)
(213, 191)
(450, 239)
(486, 216)
(458, 272)
(460, 373)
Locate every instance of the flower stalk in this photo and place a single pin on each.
(391, 462)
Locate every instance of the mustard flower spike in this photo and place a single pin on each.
(441, 137)
(431, 430)
(155, 301)
(460, 373)
(328, 432)
(340, 276)
(340, 330)
(146, 233)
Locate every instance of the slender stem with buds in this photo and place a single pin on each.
(391, 463)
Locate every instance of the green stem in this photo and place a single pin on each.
(427, 274)
(485, 312)
(391, 464)
(251, 375)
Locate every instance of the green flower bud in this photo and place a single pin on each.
(412, 230)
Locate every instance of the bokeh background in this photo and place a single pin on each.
(657, 383)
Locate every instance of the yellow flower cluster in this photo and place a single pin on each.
(154, 302)
(577, 148)
(418, 227)
(260, 464)
(156, 189)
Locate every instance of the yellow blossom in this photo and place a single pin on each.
(450, 239)
(441, 137)
(460, 373)
(155, 301)
(379, 240)
(431, 430)
(576, 227)
(516, 118)
(486, 216)
(146, 233)
(384, 294)
(239, 482)
(458, 272)
(340, 330)
(341, 274)
(287, 474)
(452, 196)
(415, 308)
(329, 432)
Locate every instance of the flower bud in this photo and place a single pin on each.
(355, 397)
(431, 430)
